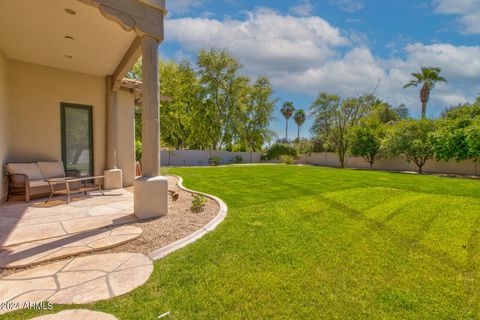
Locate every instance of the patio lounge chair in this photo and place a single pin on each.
(29, 178)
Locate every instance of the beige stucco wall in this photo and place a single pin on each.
(3, 122)
(35, 93)
(126, 136)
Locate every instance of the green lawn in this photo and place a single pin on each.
(318, 243)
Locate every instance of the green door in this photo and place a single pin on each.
(77, 138)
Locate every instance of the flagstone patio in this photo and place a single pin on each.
(77, 280)
(26, 222)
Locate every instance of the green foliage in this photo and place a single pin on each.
(215, 161)
(413, 140)
(334, 118)
(198, 203)
(287, 159)
(304, 146)
(366, 140)
(299, 117)
(280, 149)
(237, 159)
(450, 140)
(138, 150)
(427, 78)
(211, 106)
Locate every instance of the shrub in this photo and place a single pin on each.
(287, 159)
(138, 150)
(198, 203)
(237, 159)
(280, 149)
(215, 161)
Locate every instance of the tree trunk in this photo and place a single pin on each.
(424, 110)
(420, 168)
(286, 130)
(298, 134)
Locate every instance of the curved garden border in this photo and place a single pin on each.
(160, 253)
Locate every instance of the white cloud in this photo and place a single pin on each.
(303, 9)
(265, 40)
(307, 55)
(183, 6)
(348, 5)
(468, 12)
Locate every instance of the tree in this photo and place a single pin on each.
(427, 78)
(411, 139)
(287, 111)
(299, 117)
(366, 140)
(178, 116)
(256, 114)
(334, 117)
(220, 85)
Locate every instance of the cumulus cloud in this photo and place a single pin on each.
(304, 8)
(348, 5)
(183, 6)
(307, 55)
(265, 40)
(468, 12)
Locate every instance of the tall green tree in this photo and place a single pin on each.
(287, 111)
(427, 79)
(299, 117)
(220, 86)
(256, 114)
(179, 82)
(411, 139)
(334, 117)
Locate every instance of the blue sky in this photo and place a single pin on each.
(339, 46)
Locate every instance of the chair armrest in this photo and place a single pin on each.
(11, 180)
(72, 173)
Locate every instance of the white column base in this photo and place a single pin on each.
(150, 197)
(113, 179)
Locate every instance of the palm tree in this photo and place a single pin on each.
(300, 118)
(429, 77)
(287, 111)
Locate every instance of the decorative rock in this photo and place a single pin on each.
(77, 280)
(77, 314)
(66, 246)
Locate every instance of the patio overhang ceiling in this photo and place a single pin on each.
(95, 37)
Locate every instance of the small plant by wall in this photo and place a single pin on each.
(215, 161)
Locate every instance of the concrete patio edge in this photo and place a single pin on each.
(160, 253)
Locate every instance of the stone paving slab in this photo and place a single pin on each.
(78, 280)
(77, 314)
(26, 222)
(31, 253)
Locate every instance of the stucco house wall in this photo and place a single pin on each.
(3, 122)
(35, 93)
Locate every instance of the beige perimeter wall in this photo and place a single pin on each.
(3, 122)
(396, 164)
(35, 93)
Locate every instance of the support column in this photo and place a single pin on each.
(113, 175)
(150, 108)
(151, 190)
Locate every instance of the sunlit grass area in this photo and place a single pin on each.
(319, 243)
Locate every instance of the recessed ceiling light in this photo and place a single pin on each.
(69, 37)
(70, 11)
(68, 56)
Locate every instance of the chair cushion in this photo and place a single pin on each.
(30, 169)
(38, 183)
(51, 169)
